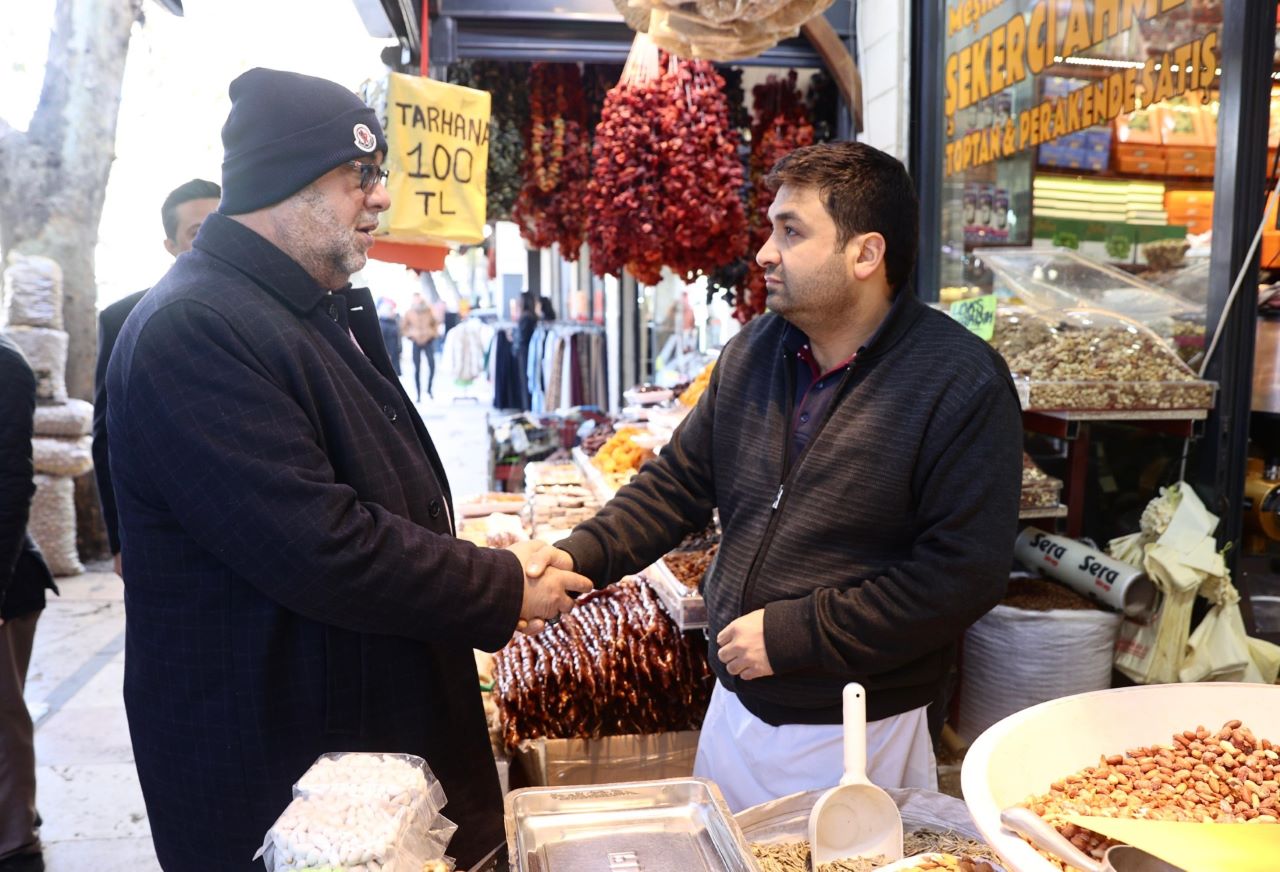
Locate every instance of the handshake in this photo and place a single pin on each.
(549, 584)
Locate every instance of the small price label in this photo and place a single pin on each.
(977, 314)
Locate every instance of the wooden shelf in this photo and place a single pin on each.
(1113, 175)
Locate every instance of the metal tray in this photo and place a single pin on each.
(677, 825)
(687, 608)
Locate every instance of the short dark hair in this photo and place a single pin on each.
(196, 189)
(864, 190)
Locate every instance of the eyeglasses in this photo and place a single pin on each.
(371, 175)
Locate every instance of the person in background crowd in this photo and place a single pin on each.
(182, 213)
(548, 311)
(390, 325)
(293, 584)
(24, 578)
(421, 327)
(864, 452)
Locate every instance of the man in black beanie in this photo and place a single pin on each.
(293, 584)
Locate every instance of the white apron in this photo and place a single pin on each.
(753, 762)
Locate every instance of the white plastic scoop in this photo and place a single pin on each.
(856, 819)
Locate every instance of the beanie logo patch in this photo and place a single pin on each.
(365, 140)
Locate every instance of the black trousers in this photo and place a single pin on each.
(429, 349)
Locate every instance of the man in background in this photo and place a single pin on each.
(23, 580)
(182, 213)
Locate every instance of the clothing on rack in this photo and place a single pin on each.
(567, 366)
(464, 350)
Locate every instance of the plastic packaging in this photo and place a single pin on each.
(57, 456)
(356, 834)
(1113, 583)
(1014, 658)
(72, 418)
(402, 780)
(32, 292)
(46, 350)
(1051, 279)
(53, 523)
(362, 812)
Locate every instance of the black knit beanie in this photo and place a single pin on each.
(285, 131)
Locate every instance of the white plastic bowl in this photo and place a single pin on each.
(1025, 753)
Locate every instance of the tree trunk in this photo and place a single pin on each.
(53, 178)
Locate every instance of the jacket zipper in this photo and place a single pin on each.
(779, 498)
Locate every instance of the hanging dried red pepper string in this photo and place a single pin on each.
(557, 161)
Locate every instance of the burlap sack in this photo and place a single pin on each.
(73, 418)
(33, 292)
(69, 457)
(46, 351)
(53, 523)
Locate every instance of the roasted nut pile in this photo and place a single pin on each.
(1226, 776)
(1090, 363)
(616, 665)
(1039, 490)
(1042, 595)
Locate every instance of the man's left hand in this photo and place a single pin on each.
(742, 647)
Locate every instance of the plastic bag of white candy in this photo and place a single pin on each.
(332, 833)
(358, 812)
(401, 779)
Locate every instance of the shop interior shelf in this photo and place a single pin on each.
(1058, 511)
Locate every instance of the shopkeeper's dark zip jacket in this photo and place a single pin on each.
(872, 551)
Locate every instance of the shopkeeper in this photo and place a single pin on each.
(292, 582)
(864, 452)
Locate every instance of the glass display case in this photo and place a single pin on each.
(1090, 360)
(1045, 278)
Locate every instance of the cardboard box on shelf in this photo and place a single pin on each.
(562, 762)
(1147, 166)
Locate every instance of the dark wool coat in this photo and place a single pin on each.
(292, 584)
(24, 576)
(872, 551)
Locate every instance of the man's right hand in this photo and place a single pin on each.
(548, 580)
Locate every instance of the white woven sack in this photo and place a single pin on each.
(33, 292)
(1016, 658)
(69, 457)
(73, 418)
(46, 351)
(53, 523)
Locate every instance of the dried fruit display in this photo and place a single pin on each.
(666, 180)
(1228, 775)
(616, 665)
(1039, 489)
(509, 116)
(548, 207)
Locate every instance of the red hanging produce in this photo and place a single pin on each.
(557, 161)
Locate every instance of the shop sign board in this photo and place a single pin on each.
(1044, 34)
(438, 161)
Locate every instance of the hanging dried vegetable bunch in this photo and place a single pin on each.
(781, 126)
(557, 161)
(623, 194)
(509, 116)
(702, 213)
(666, 183)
